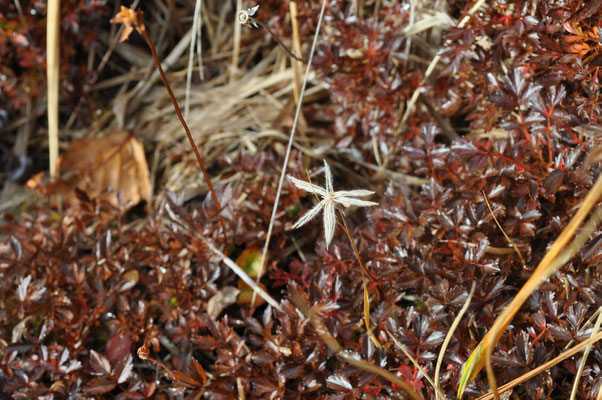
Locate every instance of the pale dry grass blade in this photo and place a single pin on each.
(412, 5)
(236, 43)
(241, 389)
(428, 21)
(231, 264)
(449, 336)
(567, 354)
(584, 358)
(587, 323)
(296, 42)
(199, 41)
(53, 60)
(422, 371)
(223, 35)
(195, 30)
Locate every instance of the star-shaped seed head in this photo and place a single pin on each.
(329, 201)
(244, 16)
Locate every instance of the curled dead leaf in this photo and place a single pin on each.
(222, 299)
(112, 167)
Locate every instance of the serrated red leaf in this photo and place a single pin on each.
(100, 385)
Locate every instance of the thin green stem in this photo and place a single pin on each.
(502, 229)
(366, 296)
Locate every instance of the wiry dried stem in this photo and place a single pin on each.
(267, 28)
(422, 371)
(449, 335)
(584, 358)
(290, 142)
(133, 20)
(520, 255)
(181, 117)
(231, 264)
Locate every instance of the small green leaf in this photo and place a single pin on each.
(173, 302)
(293, 211)
(250, 261)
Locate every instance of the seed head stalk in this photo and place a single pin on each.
(188, 134)
(366, 297)
(133, 20)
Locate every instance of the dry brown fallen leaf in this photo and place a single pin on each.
(113, 167)
(225, 297)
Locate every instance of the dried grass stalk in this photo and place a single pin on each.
(52, 73)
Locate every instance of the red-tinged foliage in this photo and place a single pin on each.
(78, 296)
(23, 48)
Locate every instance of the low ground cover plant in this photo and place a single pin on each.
(467, 194)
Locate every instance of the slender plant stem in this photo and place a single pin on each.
(188, 134)
(289, 146)
(449, 335)
(193, 39)
(53, 76)
(438, 392)
(231, 264)
(366, 296)
(522, 259)
(584, 357)
(264, 25)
